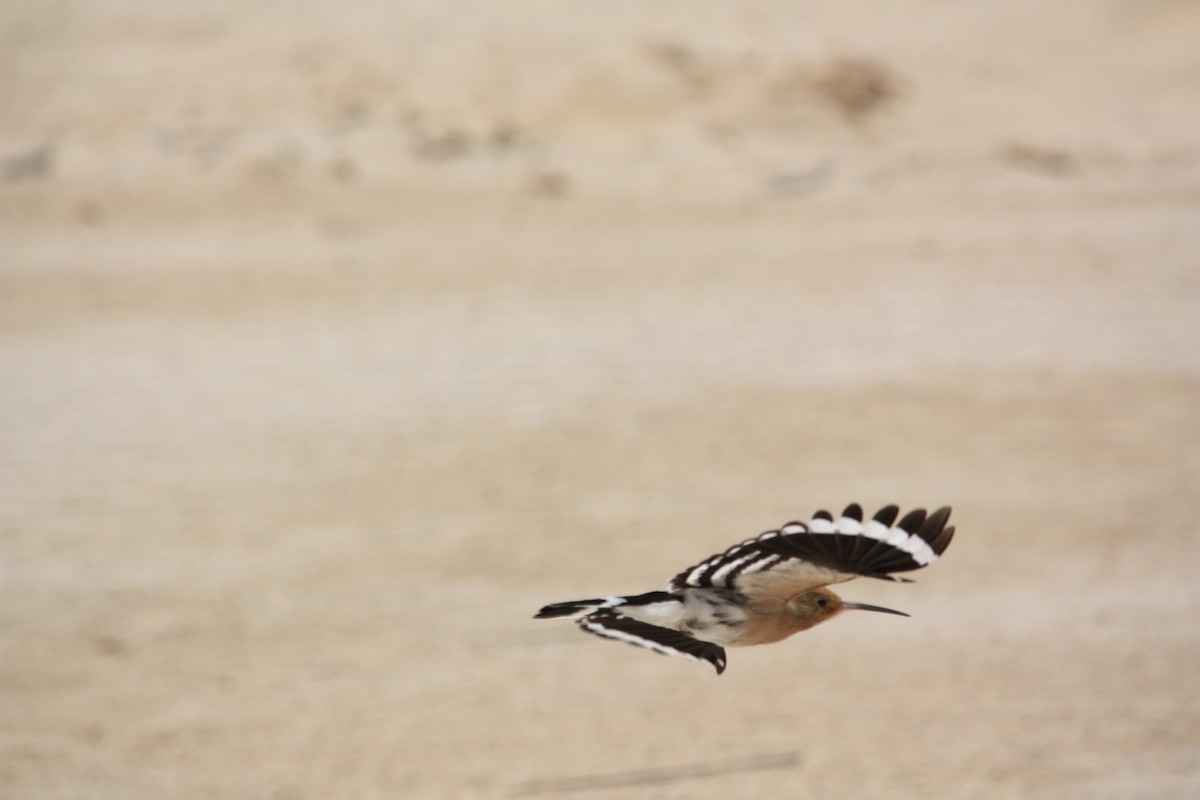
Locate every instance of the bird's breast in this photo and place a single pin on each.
(768, 628)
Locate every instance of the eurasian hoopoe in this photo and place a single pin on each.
(768, 588)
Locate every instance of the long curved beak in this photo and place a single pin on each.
(865, 607)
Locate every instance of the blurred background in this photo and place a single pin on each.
(338, 338)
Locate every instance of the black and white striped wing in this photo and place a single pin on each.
(612, 625)
(802, 556)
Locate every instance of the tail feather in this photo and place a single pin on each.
(572, 607)
(569, 608)
(611, 625)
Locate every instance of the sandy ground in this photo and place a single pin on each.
(338, 339)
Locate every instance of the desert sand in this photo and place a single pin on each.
(338, 338)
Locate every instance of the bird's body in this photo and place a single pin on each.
(763, 590)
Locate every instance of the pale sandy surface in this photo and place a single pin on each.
(335, 342)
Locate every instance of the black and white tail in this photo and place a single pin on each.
(611, 624)
(607, 617)
(570, 608)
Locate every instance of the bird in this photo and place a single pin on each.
(765, 589)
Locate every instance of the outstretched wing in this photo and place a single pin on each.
(802, 556)
(612, 625)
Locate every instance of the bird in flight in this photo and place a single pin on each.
(767, 588)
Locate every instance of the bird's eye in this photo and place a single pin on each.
(822, 601)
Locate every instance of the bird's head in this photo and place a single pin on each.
(818, 605)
